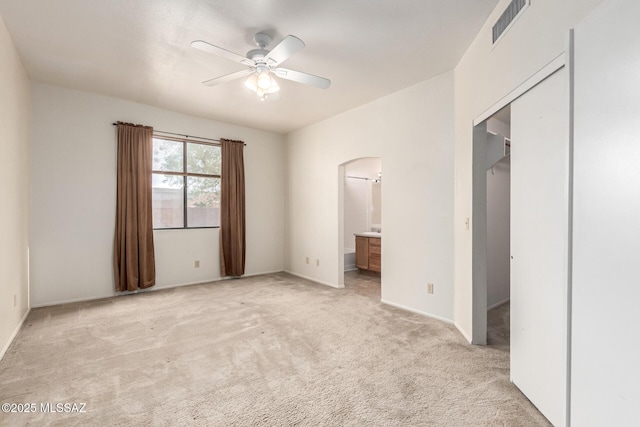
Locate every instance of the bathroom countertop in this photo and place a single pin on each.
(369, 234)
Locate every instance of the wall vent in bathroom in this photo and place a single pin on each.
(513, 10)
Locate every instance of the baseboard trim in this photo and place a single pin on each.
(314, 280)
(498, 304)
(14, 334)
(263, 273)
(71, 301)
(151, 289)
(351, 267)
(413, 310)
(463, 333)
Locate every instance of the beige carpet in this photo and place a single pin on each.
(272, 350)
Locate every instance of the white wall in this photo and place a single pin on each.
(411, 131)
(14, 191)
(498, 226)
(356, 210)
(73, 197)
(606, 290)
(495, 148)
(486, 74)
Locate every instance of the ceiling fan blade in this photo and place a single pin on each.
(227, 78)
(208, 47)
(304, 78)
(287, 47)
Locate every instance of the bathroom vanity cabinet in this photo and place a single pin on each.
(368, 253)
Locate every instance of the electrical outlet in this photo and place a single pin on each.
(196, 263)
(317, 263)
(429, 288)
(307, 260)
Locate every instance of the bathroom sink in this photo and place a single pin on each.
(369, 234)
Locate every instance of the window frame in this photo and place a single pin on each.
(184, 174)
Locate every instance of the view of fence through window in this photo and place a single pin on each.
(186, 183)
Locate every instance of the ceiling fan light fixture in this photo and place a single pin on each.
(252, 83)
(264, 81)
(263, 84)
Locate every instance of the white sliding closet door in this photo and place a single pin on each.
(539, 244)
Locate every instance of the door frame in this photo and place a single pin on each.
(341, 184)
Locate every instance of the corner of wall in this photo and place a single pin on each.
(15, 175)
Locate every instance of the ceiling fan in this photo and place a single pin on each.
(263, 64)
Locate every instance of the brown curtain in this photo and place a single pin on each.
(133, 255)
(232, 210)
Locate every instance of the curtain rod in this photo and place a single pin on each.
(180, 134)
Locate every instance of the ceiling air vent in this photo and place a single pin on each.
(515, 8)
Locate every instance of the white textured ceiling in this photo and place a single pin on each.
(140, 50)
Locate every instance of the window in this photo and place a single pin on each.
(186, 183)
